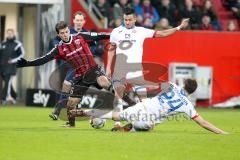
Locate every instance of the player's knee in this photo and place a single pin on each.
(119, 90)
(66, 87)
(103, 82)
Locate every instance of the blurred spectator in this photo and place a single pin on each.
(163, 24)
(179, 4)
(10, 52)
(104, 8)
(112, 2)
(167, 10)
(149, 14)
(231, 26)
(192, 12)
(206, 23)
(208, 9)
(137, 7)
(198, 2)
(236, 9)
(118, 12)
(234, 6)
(229, 3)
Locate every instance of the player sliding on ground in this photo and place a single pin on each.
(143, 116)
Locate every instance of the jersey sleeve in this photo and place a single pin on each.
(93, 36)
(44, 59)
(148, 33)
(191, 112)
(113, 37)
(55, 53)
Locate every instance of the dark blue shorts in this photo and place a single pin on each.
(70, 76)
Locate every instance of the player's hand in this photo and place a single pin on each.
(184, 23)
(22, 63)
(10, 62)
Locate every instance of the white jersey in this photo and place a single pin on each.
(130, 41)
(129, 51)
(171, 100)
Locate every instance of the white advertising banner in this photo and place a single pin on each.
(232, 102)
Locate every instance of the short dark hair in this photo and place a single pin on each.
(128, 11)
(190, 85)
(80, 14)
(60, 25)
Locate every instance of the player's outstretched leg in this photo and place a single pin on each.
(57, 108)
(62, 100)
(72, 102)
(78, 112)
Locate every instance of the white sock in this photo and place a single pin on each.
(117, 123)
(119, 105)
(118, 108)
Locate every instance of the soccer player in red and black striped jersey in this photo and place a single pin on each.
(73, 49)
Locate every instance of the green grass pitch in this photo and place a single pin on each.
(28, 134)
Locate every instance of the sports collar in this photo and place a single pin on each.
(123, 25)
(69, 41)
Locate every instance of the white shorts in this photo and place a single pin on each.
(138, 116)
(129, 74)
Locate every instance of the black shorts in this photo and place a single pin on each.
(81, 85)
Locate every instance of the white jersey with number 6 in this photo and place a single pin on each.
(129, 50)
(130, 42)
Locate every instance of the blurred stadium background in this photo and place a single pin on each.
(208, 50)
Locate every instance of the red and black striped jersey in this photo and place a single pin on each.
(76, 52)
